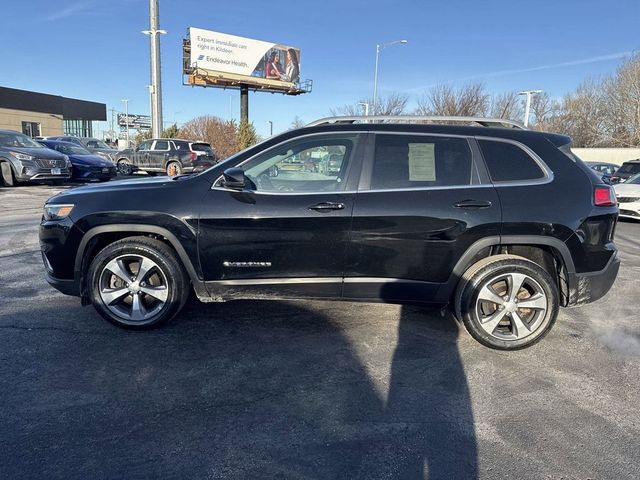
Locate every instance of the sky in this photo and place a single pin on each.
(94, 49)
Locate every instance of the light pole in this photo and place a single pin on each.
(380, 47)
(270, 128)
(126, 116)
(365, 105)
(527, 108)
(156, 81)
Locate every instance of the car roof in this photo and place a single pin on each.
(516, 134)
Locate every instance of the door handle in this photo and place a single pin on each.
(326, 206)
(473, 204)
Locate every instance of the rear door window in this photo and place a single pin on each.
(507, 162)
(162, 145)
(418, 161)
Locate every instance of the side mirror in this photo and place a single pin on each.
(234, 178)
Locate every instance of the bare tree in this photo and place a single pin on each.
(221, 134)
(507, 105)
(470, 100)
(393, 104)
(297, 122)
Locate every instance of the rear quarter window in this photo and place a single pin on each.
(508, 162)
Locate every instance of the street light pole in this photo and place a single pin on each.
(156, 81)
(527, 108)
(365, 105)
(270, 128)
(380, 47)
(126, 116)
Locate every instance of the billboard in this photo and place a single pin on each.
(228, 60)
(134, 121)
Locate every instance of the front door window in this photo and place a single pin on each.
(302, 166)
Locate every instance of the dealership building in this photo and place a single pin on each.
(39, 114)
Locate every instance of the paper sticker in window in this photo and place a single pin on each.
(422, 162)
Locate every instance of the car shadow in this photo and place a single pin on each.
(246, 389)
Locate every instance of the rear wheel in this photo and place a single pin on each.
(174, 169)
(507, 302)
(138, 283)
(124, 167)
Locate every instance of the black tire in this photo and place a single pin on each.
(167, 270)
(518, 327)
(124, 167)
(174, 169)
(152, 174)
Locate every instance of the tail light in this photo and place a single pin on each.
(604, 196)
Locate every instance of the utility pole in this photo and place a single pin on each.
(379, 48)
(156, 81)
(527, 108)
(126, 116)
(244, 103)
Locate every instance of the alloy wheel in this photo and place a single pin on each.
(133, 287)
(511, 306)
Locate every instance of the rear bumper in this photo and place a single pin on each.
(592, 286)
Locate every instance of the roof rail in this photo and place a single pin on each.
(485, 122)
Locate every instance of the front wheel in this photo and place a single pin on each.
(507, 302)
(124, 167)
(137, 283)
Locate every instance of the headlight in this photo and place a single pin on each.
(21, 156)
(57, 211)
(66, 160)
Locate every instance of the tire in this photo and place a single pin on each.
(7, 175)
(134, 303)
(124, 167)
(174, 169)
(152, 174)
(491, 308)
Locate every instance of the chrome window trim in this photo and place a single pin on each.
(258, 192)
(547, 172)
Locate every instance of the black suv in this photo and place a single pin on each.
(505, 225)
(166, 155)
(626, 171)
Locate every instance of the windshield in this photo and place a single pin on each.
(93, 143)
(71, 149)
(635, 180)
(630, 168)
(17, 140)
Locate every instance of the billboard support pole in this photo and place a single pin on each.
(244, 103)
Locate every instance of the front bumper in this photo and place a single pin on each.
(27, 174)
(592, 286)
(91, 173)
(68, 287)
(630, 210)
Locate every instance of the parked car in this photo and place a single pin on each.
(628, 195)
(25, 160)
(605, 170)
(504, 225)
(171, 156)
(86, 165)
(626, 170)
(94, 145)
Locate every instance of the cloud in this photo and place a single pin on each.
(69, 11)
(500, 73)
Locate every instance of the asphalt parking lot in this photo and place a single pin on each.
(306, 389)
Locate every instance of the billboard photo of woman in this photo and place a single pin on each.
(292, 72)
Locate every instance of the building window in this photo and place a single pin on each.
(78, 128)
(32, 129)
